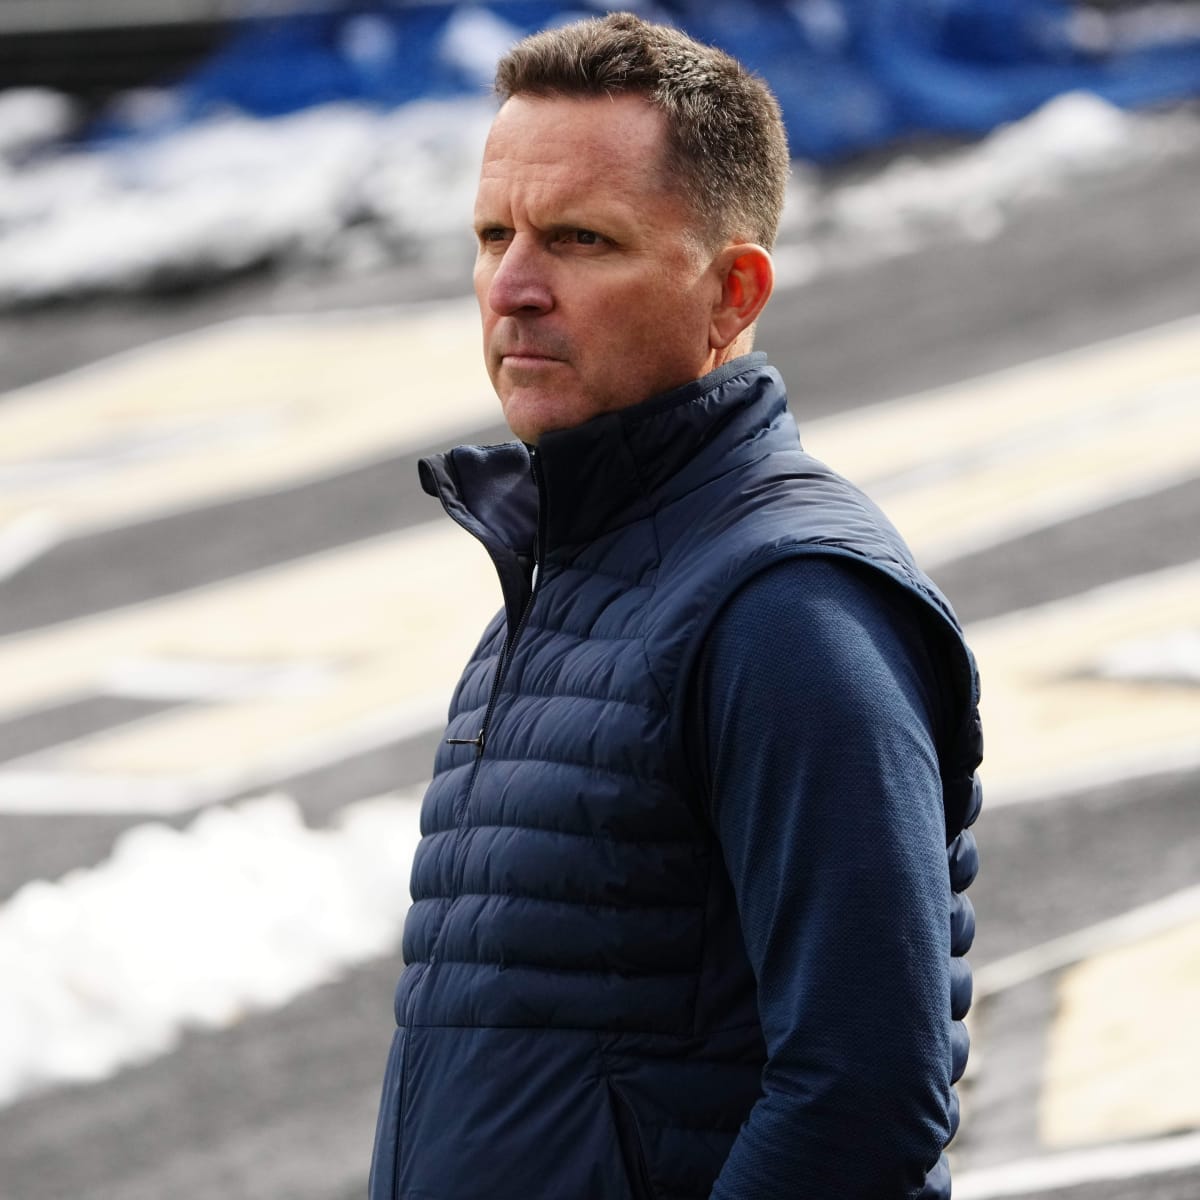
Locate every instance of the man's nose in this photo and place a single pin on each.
(521, 280)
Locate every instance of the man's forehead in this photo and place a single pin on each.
(588, 155)
(622, 133)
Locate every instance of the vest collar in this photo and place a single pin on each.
(618, 467)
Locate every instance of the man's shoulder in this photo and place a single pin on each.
(788, 504)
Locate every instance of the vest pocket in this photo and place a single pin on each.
(385, 1157)
(629, 1141)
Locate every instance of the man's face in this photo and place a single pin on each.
(593, 287)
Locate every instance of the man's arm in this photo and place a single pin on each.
(817, 707)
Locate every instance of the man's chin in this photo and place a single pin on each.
(532, 412)
(529, 422)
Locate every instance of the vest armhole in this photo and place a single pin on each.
(691, 776)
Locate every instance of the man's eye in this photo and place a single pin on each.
(493, 233)
(582, 237)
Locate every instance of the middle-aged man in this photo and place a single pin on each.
(687, 916)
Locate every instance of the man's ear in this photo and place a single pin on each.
(747, 279)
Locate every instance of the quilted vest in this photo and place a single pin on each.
(576, 1017)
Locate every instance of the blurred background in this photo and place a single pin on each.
(235, 310)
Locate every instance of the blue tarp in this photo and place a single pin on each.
(849, 74)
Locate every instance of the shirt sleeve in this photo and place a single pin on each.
(815, 714)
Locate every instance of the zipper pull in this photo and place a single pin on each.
(476, 741)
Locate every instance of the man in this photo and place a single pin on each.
(687, 916)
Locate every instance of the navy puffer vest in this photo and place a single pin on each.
(577, 1016)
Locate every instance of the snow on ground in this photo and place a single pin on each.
(234, 192)
(31, 119)
(1170, 658)
(352, 189)
(245, 909)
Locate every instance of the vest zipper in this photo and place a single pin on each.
(479, 741)
(506, 657)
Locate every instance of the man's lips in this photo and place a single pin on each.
(525, 358)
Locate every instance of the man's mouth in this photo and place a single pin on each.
(527, 358)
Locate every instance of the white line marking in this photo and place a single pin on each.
(1074, 780)
(1114, 1069)
(972, 465)
(938, 551)
(161, 446)
(1013, 378)
(213, 680)
(245, 323)
(1128, 590)
(109, 453)
(1170, 657)
(1132, 926)
(1054, 728)
(25, 539)
(41, 790)
(1128, 1161)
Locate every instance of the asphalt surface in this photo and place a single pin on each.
(282, 1104)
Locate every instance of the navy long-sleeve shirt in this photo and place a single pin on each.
(815, 715)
